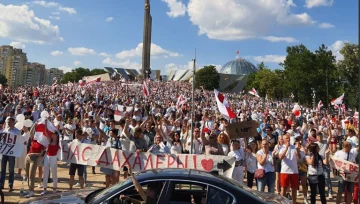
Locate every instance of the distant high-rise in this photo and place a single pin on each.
(146, 40)
(12, 62)
(34, 74)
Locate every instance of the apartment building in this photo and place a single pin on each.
(12, 62)
(34, 74)
(55, 74)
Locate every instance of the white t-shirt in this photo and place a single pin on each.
(269, 165)
(344, 155)
(289, 162)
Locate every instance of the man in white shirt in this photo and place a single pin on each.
(348, 155)
(289, 174)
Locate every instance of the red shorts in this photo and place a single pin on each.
(289, 180)
(333, 140)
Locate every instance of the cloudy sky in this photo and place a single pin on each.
(93, 33)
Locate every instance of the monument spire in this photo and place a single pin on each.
(146, 40)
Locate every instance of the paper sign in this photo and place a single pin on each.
(96, 155)
(243, 129)
(347, 170)
(11, 145)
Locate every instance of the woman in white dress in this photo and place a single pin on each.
(20, 161)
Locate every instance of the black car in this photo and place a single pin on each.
(179, 186)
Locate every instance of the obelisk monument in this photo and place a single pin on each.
(146, 40)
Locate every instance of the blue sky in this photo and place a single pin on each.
(95, 34)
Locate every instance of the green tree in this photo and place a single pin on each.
(299, 73)
(208, 77)
(80, 72)
(348, 69)
(97, 71)
(3, 79)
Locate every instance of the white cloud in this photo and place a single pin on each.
(280, 39)
(18, 45)
(122, 64)
(55, 17)
(56, 53)
(54, 4)
(326, 25)
(66, 69)
(173, 66)
(20, 24)
(104, 54)
(46, 3)
(336, 47)
(270, 58)
(76, 63)
(67, 9)
(177, 8)
(156, 51)
(108, 19)
(317, 3)
(55, 13)
(242, 19)
(81, 51)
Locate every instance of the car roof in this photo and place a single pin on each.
(183, 174)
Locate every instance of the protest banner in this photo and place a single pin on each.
(347, 170)
(243, 129)
(11, 145)
(96, 155)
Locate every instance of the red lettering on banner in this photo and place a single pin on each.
(116, 156)
(126, 159)
(15, 136)
(137, 161)
(149, 158)
(9, 140)
(83, 153)
(194, 160)
(353, 168)
(64, 151)
(106, 157)
(76, 151)
(157, 160)
(171, 161)
(179, 162)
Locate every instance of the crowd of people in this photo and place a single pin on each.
(289, 156)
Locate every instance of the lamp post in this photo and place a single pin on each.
(313, 96)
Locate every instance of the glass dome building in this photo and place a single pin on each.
(238, 66)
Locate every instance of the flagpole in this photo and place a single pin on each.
(192, 105)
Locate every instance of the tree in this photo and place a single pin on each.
(3, 79)
(80, 72)
(97, 71)
(299, 73)
(208, 77)
(348, 69)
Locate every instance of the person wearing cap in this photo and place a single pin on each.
(10, 131)
(302, 168)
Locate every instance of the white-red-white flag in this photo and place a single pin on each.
(145, 89)
(181, 100)
(223, 105)
(43, 133)
(117, 114)
(320, 104)
(94, 81)
(54, 85)
(254, 92)
(70, 84)
(338, 101)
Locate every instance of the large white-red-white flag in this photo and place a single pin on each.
(94, 81)
(223, 105)
(338, 101)
(43, 133)
(181, 100)
(254, 92)
(145, 89)
(117, 114)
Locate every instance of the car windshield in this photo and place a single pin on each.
(107, 191)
